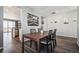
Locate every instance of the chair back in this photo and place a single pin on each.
(50, 32)
(39, 30)
(55, 31)
(47, 38)
(53, 35)
(32, 30)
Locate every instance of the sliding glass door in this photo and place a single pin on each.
(8, 25)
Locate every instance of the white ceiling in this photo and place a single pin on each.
(12, 12)
(47, 10)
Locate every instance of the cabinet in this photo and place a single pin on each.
(15, 31)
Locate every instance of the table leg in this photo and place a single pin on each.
(22, 44)
(30, 43)
(38, 43)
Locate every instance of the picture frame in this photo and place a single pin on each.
(32, 20)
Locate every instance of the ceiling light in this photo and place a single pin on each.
(53, 12)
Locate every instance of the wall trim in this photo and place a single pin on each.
(67, 36)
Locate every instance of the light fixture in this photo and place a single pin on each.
(53, 12)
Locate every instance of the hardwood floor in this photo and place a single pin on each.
(64, 45)
(10, 45)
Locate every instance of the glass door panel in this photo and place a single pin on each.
(8, 25)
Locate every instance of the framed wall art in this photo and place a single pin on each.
(32, 20)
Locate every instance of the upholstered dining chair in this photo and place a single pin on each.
(33, 31)
(50, 32)
(46, 41)
(39, 30)
(53, 38)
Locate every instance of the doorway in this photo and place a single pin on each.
(7, 34)
(8, 25)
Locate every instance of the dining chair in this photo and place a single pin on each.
(46, 41)
(50, 32)
(31, 42)
(32, 30)
(39, 30)
(53, 38)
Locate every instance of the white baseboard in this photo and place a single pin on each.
(67, 36)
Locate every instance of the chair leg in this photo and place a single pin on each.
(47, 49)
(51, 47)
(55, 42)
(30, 43)
(36, 45)
(39, 48)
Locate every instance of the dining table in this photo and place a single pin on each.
(36, 37)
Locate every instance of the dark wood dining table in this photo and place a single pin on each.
(34, 37)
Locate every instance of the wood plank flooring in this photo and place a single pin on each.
(64, 45)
